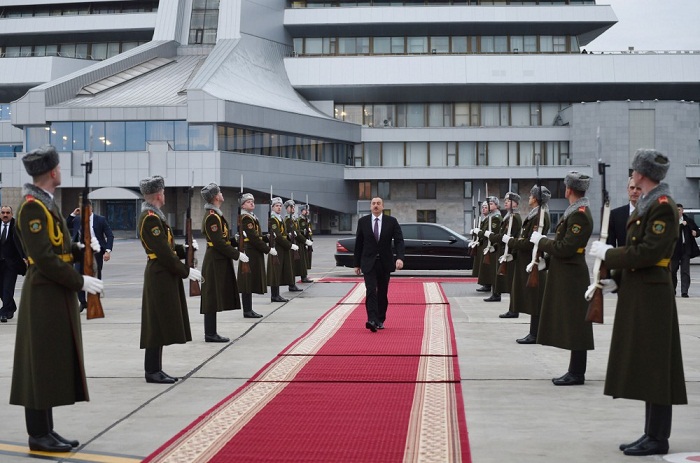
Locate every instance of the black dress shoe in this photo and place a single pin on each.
(7, 315)
(58, 437)
(648, 446)
(484, 289)
(380, 326)
(569, 379)
(529, 339)
(684, 295)
(48, 443)
(215, 338)
(493, 298)
(174, 378)
(278, 299)
(306, 280)
(295, 288)
(371, 326)
(83, 306)
(160, 378)
(632, 444)
(3, 319)
(509, 314)
(251, 314)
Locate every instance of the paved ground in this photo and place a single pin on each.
(514, 413)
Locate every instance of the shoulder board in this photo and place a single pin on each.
(151, 212)
(29, 198)
(663, 199)
(582, 208)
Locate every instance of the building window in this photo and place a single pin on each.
(426, 190)
(426, 215)
(364, 190)
(468, 188)
(204, 22)
(384, 190)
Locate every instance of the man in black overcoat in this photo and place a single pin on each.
(686, 249)
(617, 227)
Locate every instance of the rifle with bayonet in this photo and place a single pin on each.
(245, 266)
(271, 235)
(506, 257)
(533, 280)
(94, 305)
(488, 248)
(195, 289)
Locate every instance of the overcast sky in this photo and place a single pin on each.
(651, 25)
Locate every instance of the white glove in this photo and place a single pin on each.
(195, 245)
(598, 249)
(473, 244)
(273, 251)
(536, 237)
(505, 258)
(475, 231)
(243, 257)
(606, 285)
(80, 245)
(194, 275)
(488, 233)
(489, 249)
(94, 244)
(541, 265)
(506, 239)
(92, 285)
(295, 247)
(309, 243)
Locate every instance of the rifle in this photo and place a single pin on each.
(533, 280)
(504, 259)
(476, 222)
(600, 272)
(271, 235)
(309, 233)
(94, 305)
(487, 253)
(245, 267)
(191, 262)
(292, 234)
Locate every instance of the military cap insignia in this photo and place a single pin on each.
(214, 227)
(658, 227)
(155, 231)
(35, 226)
(663, 199)
(250, 225)
(576, 229)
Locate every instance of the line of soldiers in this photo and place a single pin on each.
(645, 361)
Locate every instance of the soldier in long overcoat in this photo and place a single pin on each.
(48, 360)
(512, 220)
(525, 299)
(563, 316)
(251, 275)
(645, 361)
(480, 243)
(279, 267)
(489, 261)
(164, 318)
(298, 257)
(307, 232)
(220, 290)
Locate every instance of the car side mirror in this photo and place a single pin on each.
(452, 239)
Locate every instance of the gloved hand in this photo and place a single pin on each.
(295, 247)
(506, 239)
(475, 231)
(195, 275)
(536, 237)
(94, 244)
(273, 251)
(243, 257)
(598, 249)
(195, 245)
(473, 244)
(92, 285)
(488, 233)
(606, 285)
(309, 243)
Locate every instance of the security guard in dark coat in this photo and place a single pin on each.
(489, 261)
(251, 275)
(524, 299)
(279, 267)
(49, 364)
(220, 292)
(645, 361)
(511, 220)
(164, 318)
(563, 316)
(298, 258)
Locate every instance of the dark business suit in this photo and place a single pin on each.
(104, 235)
(376, 261)
(617, 227)
(11, 265)
(686, 248)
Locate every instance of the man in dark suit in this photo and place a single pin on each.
(101, 230)
(617, 227)
(12, 263)
(686, 249)
(375, 261)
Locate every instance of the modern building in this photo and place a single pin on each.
(429, 104)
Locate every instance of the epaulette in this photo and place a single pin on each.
(582, 209)
(29, 198)
(663, 199)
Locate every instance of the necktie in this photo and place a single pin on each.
(376, 229)
(4, 233)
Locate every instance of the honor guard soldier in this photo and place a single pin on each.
(563, 315)
(489, 261)
(49, 364)
(220, 293)
(305, 230)
(504, 281)
(251, 274)
(298, 261)
(645, 361)
(164, 318)
(479, 243)
(279, 267)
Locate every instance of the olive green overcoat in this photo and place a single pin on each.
(487, 270)
(220, 288)
(164, 317)
(305, 230)
(524, 299)
(251, 275)
(504, 282)
(645, 361)
(279, 267)
(298, 257)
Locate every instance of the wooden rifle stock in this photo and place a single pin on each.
(595, 305)
(533, 280)
(195, 289)
(94, 305)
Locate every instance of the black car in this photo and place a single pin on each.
(429, 246)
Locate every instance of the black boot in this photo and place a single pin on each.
(484, 289)
(294, 287)
(495, 297)
(275, 295)
(247, 302)
(210, 334)
(306, 279)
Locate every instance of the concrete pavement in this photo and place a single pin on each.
(514, 413)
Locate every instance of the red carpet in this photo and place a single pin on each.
(340, 393)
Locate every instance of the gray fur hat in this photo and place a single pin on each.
(210, 191)
(289, 202)
(246, 197)
(40, 160)
(303, 207)
(485, 204)
(152, 185)
(274, 201)
(546, 194)
(494, 200)
(577, 181)
(514, 197)
(651, 164)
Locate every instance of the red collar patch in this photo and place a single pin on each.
(582, 209)
(663, 199)
(150, 212)
(29, 198)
